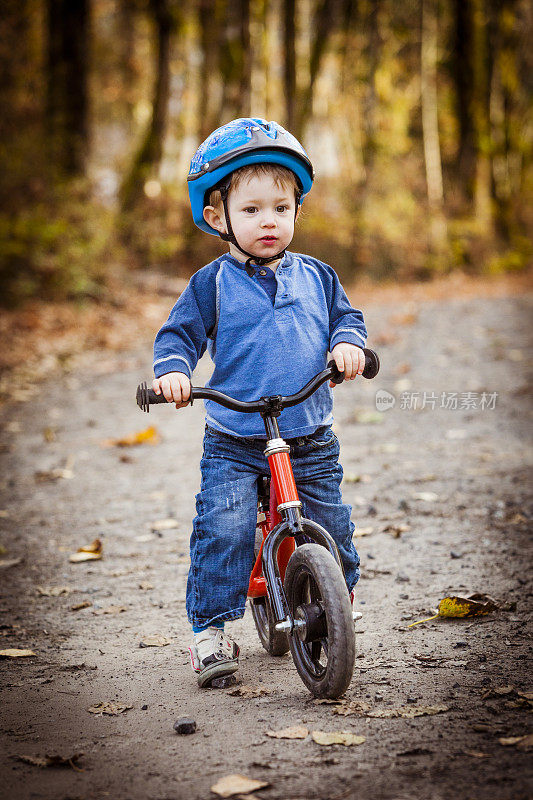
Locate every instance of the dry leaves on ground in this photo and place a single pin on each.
(337, 737)
(65, 473)
(164, 524)
(5, 563)
(98, 612)
(147, 436)
(145, 586)
(408, 712)
(79, 606)
(53, 760)
(362, 532)
(89, 552)
(110, 709)
(426, 497)
(361, 709)
(231, 785)
(358, 707)
(157, 640)
(53, 591)
(457, 607)
(524, 743)
(14, 652)
(294, 732)
(396, 530)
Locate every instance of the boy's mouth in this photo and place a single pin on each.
(268, 239)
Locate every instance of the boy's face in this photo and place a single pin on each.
(262, 216)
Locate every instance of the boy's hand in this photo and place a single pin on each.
(349, 359)
(176, 387)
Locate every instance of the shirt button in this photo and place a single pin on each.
(262, 272)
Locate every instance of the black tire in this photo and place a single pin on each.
(316, 590)
(274, 642)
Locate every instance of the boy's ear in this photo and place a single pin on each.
(215, 218)
(299, 208)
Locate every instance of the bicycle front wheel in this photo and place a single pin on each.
(323, 643)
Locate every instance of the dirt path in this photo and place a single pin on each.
(466, 533)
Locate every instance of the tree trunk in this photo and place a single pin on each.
(150, 152)
(370, 102)
(430, 125)
(483, 173)
(323, 24)
(289, 65)
(235, 61)
(210, 45)
(462, 77)
(66, 92)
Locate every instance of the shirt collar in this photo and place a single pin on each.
(285, 261)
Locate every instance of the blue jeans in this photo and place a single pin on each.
(223, 537)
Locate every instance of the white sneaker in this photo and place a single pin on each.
(213, 654)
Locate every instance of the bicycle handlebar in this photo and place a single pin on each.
(147, 397)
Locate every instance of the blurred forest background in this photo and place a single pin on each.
(416, 115)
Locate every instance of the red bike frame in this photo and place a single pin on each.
(257, 586)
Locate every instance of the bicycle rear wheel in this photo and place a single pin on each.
(323, 646)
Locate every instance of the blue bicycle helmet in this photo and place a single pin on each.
(237, 144)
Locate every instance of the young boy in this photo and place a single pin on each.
(268, 318)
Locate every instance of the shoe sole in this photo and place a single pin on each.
(216, 671)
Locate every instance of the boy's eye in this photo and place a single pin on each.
(250, 209)
(281, 209)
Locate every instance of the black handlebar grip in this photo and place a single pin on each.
(371, 364)
(146, 397)
(370, 371)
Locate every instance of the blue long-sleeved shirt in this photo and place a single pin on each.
(261, 347)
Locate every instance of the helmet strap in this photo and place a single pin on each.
(230, 236)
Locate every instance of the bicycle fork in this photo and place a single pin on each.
(292, 523)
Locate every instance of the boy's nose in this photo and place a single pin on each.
(268, 221)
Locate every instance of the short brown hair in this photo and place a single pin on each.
(282, 176)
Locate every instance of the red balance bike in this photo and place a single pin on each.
(297, 589)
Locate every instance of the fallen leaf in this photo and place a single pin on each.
(145, 585)
(65, 472)
(458, 607)
(498, 691)
(110, 709)
(98, 612)
(147, 436)
(13, 652)
(476, 754)
(49, 434)
(164, 524)
(408, 712)
(358, 707)
(53, 591)
(146, 537)
(157, 640)
(363, 532)
(427, 497)
(230, 785)
(526, 743)
(340, 737)
(82, 604)
(248, 691)
(54, 760)
(5, 563)
(294, 732)
(90, 552)
(396, 530)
